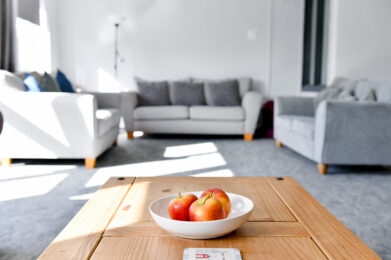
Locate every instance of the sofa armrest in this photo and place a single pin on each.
(303, 106)
(107, 100)
(48, 123)
(353, 133)
(129, 102)
(251, 103)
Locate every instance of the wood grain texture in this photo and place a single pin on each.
(267, 205)
(336, 240)
(249, 229)
(81, 236)
(172, 247)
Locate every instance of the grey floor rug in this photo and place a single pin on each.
(39, 197)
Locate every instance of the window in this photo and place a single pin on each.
(315, 46)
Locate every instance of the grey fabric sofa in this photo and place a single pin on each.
(337, 133)
(53, 124)
(219, 120)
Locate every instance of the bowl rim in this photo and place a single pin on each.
(198, 222)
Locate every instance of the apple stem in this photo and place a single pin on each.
(180, 195)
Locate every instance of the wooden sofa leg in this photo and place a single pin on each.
(115, 143)
(248, 137)
(90, 163)
(130, 135)
(322, 168)
(6, 161)
(278, 144)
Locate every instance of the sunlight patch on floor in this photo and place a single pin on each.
(23, 171)
(190, 149)
(219, 173)
(29, 187)
(86, 196)
(157, 168)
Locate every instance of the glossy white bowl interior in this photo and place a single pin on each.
(241, 208)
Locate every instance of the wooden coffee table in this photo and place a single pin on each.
(287, 223)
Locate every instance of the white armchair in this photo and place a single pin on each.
(55, 125)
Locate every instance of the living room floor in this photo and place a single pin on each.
(39, 197)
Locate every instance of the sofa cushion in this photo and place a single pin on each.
(187, 93)
(383, 92)
(304, 126)
(363, 89)
(152, 93)
(10, 82)
(217, 113)
(107, 119)
(49, 83)
(161, 112)
(64, 83)
(32, 85)
(224, 93)
(245, 83)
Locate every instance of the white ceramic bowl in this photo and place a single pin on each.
(241, 208)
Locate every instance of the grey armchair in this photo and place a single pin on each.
(337, 133)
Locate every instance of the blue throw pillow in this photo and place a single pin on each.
(32, 85)
(65, 84)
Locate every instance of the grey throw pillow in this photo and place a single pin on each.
(346, 95)
(153, 93)
(383, 92)
(330, 93)
(187, 93)
(10, 82)
(49, 83)
(224, 93)
(368, 96)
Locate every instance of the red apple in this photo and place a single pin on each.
(178, 208)
(206, 209)
(221, 196)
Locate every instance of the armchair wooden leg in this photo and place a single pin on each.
(90, 163)
(248, 137)
(6, 161)
(322, 168)
(115, 143)
(130, 135)
(278, 144)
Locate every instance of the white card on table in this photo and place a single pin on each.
(211, 254)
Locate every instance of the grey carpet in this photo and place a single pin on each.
(358, 196)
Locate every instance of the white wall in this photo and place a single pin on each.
(169, 39)
(361, 42)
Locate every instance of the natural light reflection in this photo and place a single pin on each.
(158, 168)
(138, 134)
(33, 47)
(29, 187)
(82, 197)
(19, 171)
(219, 173)
(190, 149)
(106, 82)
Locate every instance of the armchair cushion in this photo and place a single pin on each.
(224, 93)
(107, 119)
(10, 82)
(49, 83)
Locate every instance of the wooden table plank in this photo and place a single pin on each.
(172, 247)
(249, 229)
(81, 236)
(336, 240)
(267, 205)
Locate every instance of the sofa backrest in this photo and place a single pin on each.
(245, 83)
